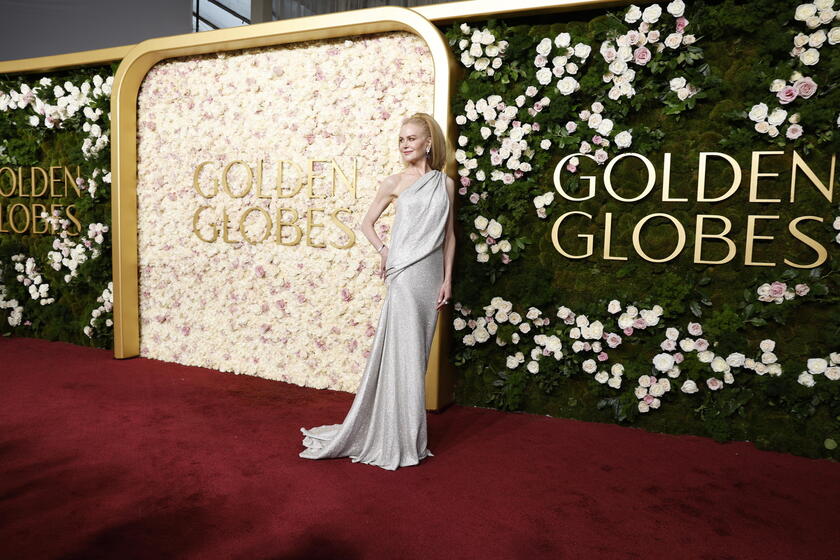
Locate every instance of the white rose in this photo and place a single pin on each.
(614, 306)
(817, 38)
(563, 40)
(663, 361)
(810, 57)
(494, 229)
(689, 387)
(544, 47)
(673, 40)
(515, 318)
(736, 359)
(804, 11)
(533, 366)
(806, 379)
(651, 13)
(623, 139)
(719, 365)
(614, 382)
(594, 120)
(834, 356)
(676, 8)
(833, 373)
(469, 340)
(544, 76)
(602, 377)
(706, 356)
(823, 4)
(677, 83)
(817, 365)
(671, 333)
(777, 117)
(767, 345)
(582, 50)
(758, 112)
(768, 358)
(776, 86)
(774, 369)
(633, 14)
(617, 370)
(834, 36)
(567, 85)
(605, 127)
(459, 324)
(589, 366)
(512, 362)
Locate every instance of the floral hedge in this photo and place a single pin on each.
(731, 351)
(57, 285)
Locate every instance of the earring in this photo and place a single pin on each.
(428, 149)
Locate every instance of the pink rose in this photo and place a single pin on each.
(777, 289)
(701, 344)
(462, 191)
(639, 323)
(571, 168)
(602, 357)
(538, 106)
(802, 289)
(786, 95)
(648, 398)
(678, 358)
(714, 383)
(474, 198)
(490, 240)
(571, 126)
(682, 23)
(465, 181)
(805, 87)
(668, 345)
(535, 127)
(613, 340)
(540, 61)
(596, 139)
(641, 56)
(628, 331)
(794, 131)
(505, 258)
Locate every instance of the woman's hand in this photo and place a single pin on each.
(382, 260)
(444, 295)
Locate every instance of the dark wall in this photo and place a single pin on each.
(46, 27)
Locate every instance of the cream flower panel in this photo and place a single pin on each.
(296, 313)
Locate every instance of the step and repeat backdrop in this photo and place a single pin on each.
(649, 225)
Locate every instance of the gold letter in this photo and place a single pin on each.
(666, 181)
(751, 236)
(607, 235)
(12, 217)
(555, 240)
(339, 223)
(68, 176)
(701, 177)
(699, 236)
(680, 237)
(799, 163)
(244, 217)
(310, 224)
(822, 254)
(13, 183)
(44, 176)
(754, 175)
(278, 236)
(351, 184)
(589, 178)
(196, 231)
(311, 176)
(74, 219)
(651, 177)
(196, 173)
(278, 185)
(226, 185)
(36, 215)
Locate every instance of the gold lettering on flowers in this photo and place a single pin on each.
(284, 225)
(669, 227)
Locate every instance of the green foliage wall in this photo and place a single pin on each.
(58, 119)
(734, 52)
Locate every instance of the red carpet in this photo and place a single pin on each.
(102, 458)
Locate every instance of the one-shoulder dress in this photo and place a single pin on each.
(386, 424)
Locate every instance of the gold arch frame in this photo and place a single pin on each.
(127, 80)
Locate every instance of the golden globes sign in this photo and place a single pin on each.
(38, 184)
(563, 227)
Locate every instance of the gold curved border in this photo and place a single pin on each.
(127, 80)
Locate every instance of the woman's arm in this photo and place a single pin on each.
(445, 291)
(381, 200)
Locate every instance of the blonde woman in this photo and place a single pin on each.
(386, 425)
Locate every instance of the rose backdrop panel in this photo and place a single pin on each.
(732, 333)
(289, 289)
(55, 198)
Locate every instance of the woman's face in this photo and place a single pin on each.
(413, 142)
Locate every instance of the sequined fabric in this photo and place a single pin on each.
(386, 424)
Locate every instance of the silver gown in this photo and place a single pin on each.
(386, 425)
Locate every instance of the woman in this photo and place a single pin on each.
(386, 425)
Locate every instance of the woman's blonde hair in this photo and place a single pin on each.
(437, 154)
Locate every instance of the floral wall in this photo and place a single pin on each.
(298, 303)
(55, 251)
(733, 339)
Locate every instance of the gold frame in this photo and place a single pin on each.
(127, 80)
